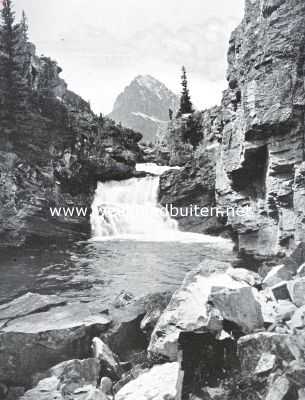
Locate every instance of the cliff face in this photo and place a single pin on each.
(260, 161)
(54, 155)
(260, 124)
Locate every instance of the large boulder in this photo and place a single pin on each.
(159, 383)
(29, 304)
(239, 306)
(187, 310)
(296, 289)
(33, 343)
(276, 275)
(252, 347)
(74, 379)
(133, 322)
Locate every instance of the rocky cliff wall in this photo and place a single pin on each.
(260, 160)
(260, 124)
(53, 155)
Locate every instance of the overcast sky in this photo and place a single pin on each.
(103, 44)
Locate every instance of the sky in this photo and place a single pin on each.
(103, 44)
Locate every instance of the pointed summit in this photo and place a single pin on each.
(144, 106)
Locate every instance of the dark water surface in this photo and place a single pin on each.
(102, 270)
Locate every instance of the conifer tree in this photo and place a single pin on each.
(12, 83)
(186, 106)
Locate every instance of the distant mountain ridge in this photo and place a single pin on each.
(144, 106)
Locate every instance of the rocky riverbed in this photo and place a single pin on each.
(226, 333)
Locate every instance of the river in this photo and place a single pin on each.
(135, 247)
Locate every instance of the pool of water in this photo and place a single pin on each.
(103, 269)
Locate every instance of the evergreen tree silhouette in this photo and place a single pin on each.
(186, 106)
(13, 87)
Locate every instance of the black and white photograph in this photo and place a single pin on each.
(152, 200)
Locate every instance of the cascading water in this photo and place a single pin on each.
(130, 208)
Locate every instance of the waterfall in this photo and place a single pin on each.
(130, 208)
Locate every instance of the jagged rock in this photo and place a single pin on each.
(158, 383)
(296, 289)
(75, 379)
(279, 389)
(297, 257)
(277, 275)
(109, 362)
(251, 348)
(194, 184)
(280, 291)
(296, 374)
(126, 336)
(35, 342)
(187, 310)
(154, 306)
(298, 318)
(244, 275)
(205, 361)
(239, 306)
(265, 364)
(28, 304)
(296, 344)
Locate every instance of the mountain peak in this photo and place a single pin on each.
(143, 106)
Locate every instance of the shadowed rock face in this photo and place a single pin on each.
(54, 155)
(263, 137)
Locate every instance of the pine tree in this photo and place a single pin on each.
(13, 86)
(186, 106)
(24, 28)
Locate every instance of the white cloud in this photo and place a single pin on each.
(102, 45)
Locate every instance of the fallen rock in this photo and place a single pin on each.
(265, 364)
(277, 275)
(109, 362)
(74, 379)
(187, 310)
(280, 291)
(275, 311)
(36, 342)
(29, 304)
(296, 345)
(279, 389)
(296, 374)
(159, 383)
(251, 347)
(154, 306)
(239, 306)
(297, 257)
(296, 289)
(298, 319)
(244, 275)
